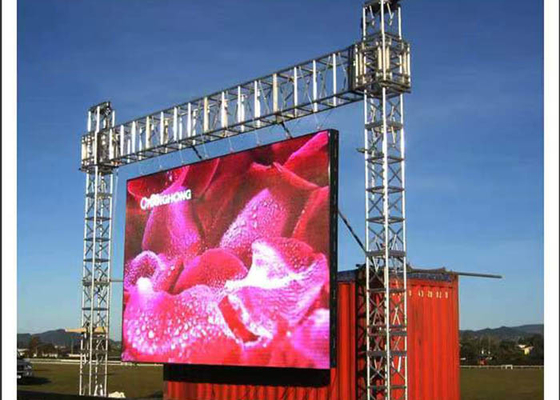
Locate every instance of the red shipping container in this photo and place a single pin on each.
(433, 351)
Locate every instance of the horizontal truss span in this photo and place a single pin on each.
(320, 84)
(294, 92)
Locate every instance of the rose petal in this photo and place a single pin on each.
(219, 204)
(279, 152)
(134, 228)
(276, 176)
(313, 226)
(167, 273)
(311, 339)
(271, 212)
(172, 230)
(216, 209)
(126, 296)
(199, 176)
(283, 150)
(233, 165)
(307, 346)
(264, 216)
(284, 281)
(311, 162)
(142, 266)
(156, 183)
(188, 328)
(213, 268)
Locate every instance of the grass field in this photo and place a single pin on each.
(496, 384)
(147, 382)
(133, 381)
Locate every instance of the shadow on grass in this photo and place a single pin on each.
(34, 381)
(153, 396)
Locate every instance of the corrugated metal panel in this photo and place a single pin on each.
(433, 339)
(433, 346)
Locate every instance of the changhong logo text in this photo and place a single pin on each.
(156, 200)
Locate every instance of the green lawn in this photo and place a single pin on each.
(495, 384)
(133, 381)
(147, 382)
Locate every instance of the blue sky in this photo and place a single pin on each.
(473, 122)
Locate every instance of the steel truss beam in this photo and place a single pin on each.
(386, 76)
(294, 92)
(375, 70)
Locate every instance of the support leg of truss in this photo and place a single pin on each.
(385, 272)
(96, 269)
(383, 68)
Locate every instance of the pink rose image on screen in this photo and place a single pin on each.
(227, 261)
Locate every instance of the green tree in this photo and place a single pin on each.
(536, 357)
(470, 351)
(508, 353)
(34, 344)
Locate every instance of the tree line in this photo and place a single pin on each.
(491, 350)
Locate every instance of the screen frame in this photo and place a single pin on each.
(333, 149)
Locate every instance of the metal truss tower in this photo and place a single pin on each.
(374, 70)
(384, 79)
(96, 271)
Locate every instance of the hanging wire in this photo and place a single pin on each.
(159, 162)
(206, 155)
(288, 133)
(297, 123)
(283, 125)
(164, 133)
(197, 153)
(181, 156)
(311, 102)
(257, 137)
(231, 149)
(325, 118)
(316, 119)
(140, 168)
(351, 230)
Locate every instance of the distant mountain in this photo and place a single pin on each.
(532, 329)
(23, 339)
(506, 332)
(58, 337)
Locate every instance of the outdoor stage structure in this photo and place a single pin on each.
(374, 70)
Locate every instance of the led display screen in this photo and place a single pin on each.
(230, 261)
